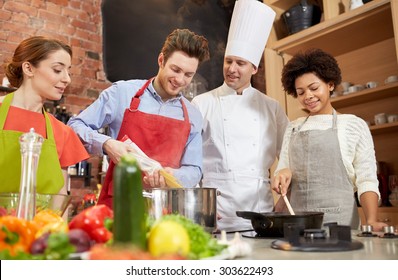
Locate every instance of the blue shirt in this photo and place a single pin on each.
(108, 110)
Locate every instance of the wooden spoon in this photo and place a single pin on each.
(289, 207)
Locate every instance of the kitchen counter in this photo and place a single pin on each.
(375, 248)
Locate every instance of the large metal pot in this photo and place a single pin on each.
(271, 224)
(197, 204)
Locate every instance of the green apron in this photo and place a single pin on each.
(49, 173)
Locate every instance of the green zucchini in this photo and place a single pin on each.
(129, 226)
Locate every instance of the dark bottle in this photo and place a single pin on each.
(57, 113)
(383, 183)
(64, 115)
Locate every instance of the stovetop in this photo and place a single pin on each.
(316, 240)
(388, 232)
(336, 238)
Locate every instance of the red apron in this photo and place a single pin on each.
(161, 138)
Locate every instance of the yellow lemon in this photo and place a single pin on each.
(168, 237)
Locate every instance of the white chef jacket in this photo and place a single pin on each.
(242, 137)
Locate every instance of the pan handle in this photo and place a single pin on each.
(249, 215)
(259, 221)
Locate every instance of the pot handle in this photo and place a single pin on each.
(147, 194)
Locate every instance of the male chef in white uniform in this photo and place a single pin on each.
(243, 128)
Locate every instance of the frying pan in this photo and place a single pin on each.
(270, 224)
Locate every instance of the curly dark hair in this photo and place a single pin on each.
(315, 61)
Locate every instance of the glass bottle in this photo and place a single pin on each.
(30, 143)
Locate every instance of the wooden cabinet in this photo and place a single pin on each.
(388, 215)
(365, 43)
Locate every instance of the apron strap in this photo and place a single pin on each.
(135, 101)
(185, 111)
(5, 106)
(334, 119)
(49, 128)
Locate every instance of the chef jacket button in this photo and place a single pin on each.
(225, 119)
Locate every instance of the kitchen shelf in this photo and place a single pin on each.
(364, 42)
(388, 215)
(282, 4)
(384, 128)
(366, 95)
(338, 35)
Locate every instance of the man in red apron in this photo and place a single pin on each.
(153, 114)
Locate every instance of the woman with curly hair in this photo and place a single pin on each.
(326, 156)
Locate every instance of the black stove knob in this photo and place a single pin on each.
(314, 234)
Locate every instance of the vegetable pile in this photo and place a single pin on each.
(49, 237)
(202, 244)
(125, 233)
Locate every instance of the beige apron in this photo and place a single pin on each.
(320, 181)
(49, 172)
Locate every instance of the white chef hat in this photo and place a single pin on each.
(249, 30)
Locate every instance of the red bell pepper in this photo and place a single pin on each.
(92, 221)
